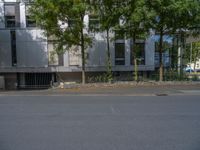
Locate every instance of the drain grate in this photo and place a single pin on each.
(161, 94)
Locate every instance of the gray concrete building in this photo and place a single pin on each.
(28, 59)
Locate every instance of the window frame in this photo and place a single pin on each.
(6, 16)
(12, 22)
(120, 60)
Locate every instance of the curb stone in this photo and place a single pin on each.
(125, 83)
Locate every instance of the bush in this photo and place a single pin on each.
(195, 78)
(105, 77)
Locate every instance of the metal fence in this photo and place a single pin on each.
(35, 80)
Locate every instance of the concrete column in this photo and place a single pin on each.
(22, 9)
(66, 59)
(179, 59)
(2, 20)
(150, 53)
(127, 53)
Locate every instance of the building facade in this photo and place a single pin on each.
(27, 57)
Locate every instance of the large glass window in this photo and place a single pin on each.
(119, 53)
(10, 15)
(138, 51)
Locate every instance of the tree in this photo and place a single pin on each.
(134, 16)
(107, 10)
(187, 21)
(64, 20)
(161, 21)
(170, 17)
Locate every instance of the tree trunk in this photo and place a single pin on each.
(109, 65)
(181, 56)
(179, 60)
(136, 69)
(195, 60)
(83, 54)
(160, 56)
(135, 60)
(172, 54)
(195, 63)
(108, 44)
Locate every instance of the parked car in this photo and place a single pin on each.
(188, 69)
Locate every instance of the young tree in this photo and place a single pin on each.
(134, 16)
(64, 20)
(160, 23)
(107, 10)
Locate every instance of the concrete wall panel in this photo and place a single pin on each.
(5, 49)
(2, 23)
(149, 52)
(31, 49)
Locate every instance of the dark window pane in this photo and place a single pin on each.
(119, 54)
(10, 21)
(13, 47)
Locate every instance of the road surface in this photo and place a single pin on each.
(99, 122)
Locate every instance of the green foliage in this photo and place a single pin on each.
(109, 74)
(134, 17)
(170, 75)
(194, 53)
(100, 78)
(52, 15)
(108, 12)
(172, 16)
(131, 18)
(195, 77)
(64, 21)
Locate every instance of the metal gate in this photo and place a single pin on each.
(35, 80)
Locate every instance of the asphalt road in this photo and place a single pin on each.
(100, 122)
